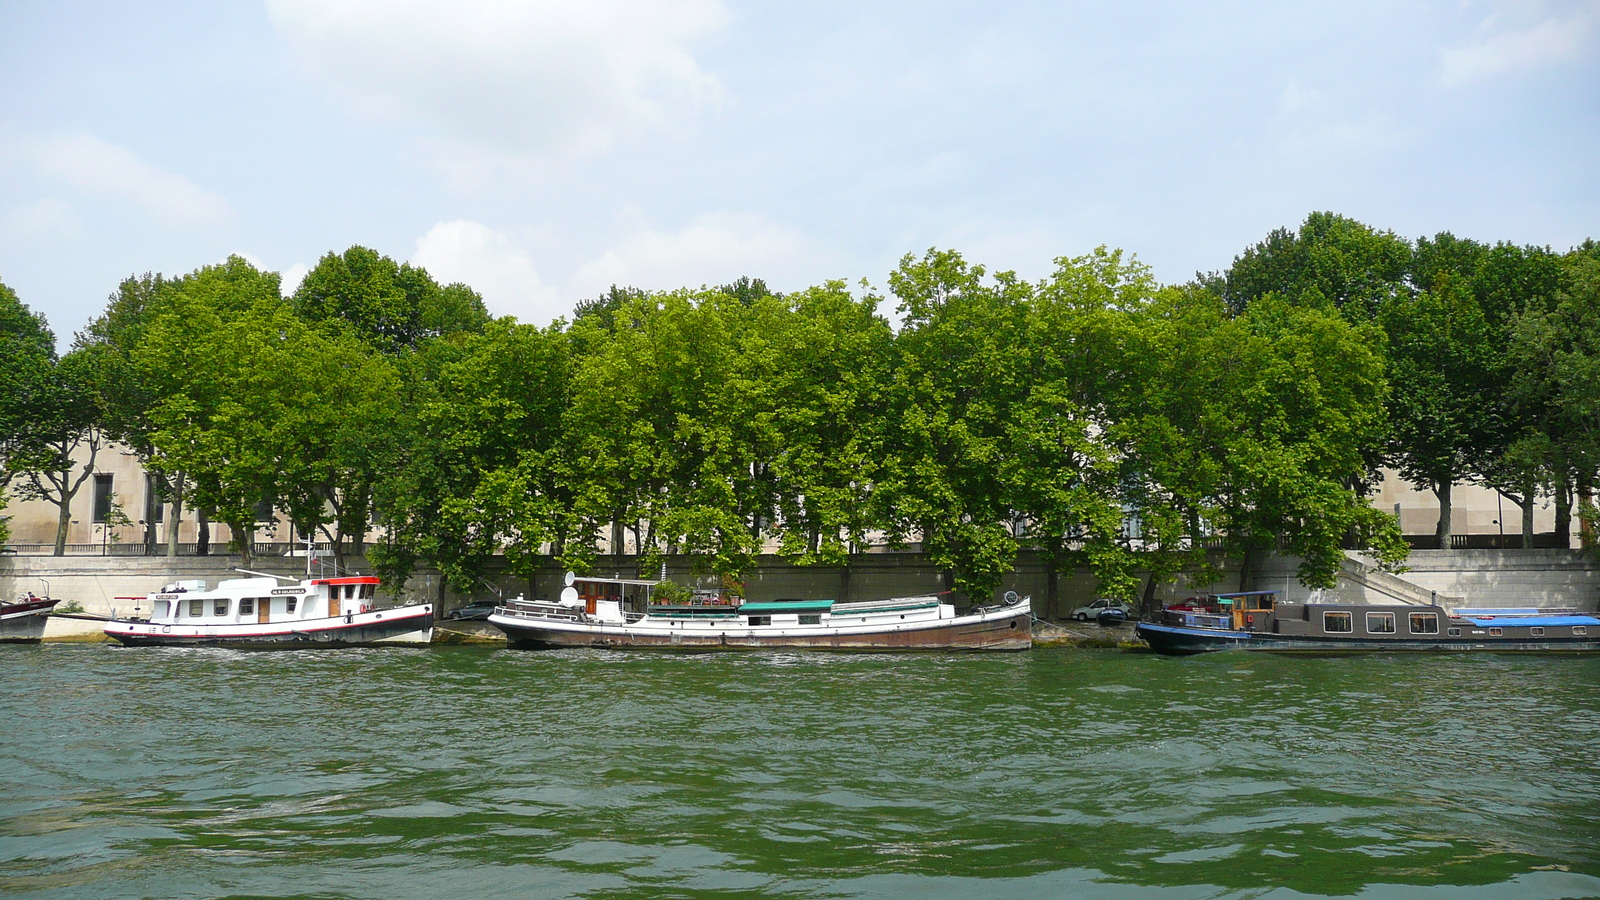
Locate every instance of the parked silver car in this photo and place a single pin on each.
(1093, 610)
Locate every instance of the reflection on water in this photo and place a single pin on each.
(450, 771)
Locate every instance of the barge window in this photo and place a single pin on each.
(197, 607)
(1580, 629)
(1536, 631)
(220, 607)
(247, 606)
(1455, 632)
(1424, 623)
(162, 606)
(760, 620)
(815, 619)
(289, 603)
(1380, 623)
(1496, 632)
(1336, 622)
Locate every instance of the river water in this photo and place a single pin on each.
(484, 773)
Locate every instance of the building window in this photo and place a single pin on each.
(102, 498)
(1424, 623)
(1380, 623)
(220, 607)
(1336, 622)
(264, 511)
(197, 607)
(247, 606)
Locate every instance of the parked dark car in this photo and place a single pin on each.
(477, 610)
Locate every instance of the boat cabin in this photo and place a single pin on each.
(261, 600)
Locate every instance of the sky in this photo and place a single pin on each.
(543, 151)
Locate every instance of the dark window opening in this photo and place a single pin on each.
(264, 511)
(760, 620)
(811, 620)
(247, 606)
(102, 498)
(197, 607)
(219, 608)
(1336, 622)
(289, 603)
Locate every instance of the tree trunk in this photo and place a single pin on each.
(63, 522)
(174, 514)
(1148, 607)
(844, 582)
(1585, 508)
(245, 536)
(1564, 507)
(1441, 490)
(1530, 494)
(202, 537)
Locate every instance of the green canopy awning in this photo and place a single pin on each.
(786, 606)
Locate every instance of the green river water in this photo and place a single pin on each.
(484, 773)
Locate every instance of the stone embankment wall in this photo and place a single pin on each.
(1483, 578)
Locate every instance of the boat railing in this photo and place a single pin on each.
(539, 609)
(893, 603)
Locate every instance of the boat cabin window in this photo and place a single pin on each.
(1380, 623)
(219, 607)
(289, 603)
(247, 606)
(368, 591)
(1580, 629)
(760, 620)
(1455, 632)
(1536, 631)
(1336, 622)
(815, 619)
(162, 608)
(1496, 632)
(197, 607)
(1424, 623)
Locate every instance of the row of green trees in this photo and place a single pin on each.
(1098, 416)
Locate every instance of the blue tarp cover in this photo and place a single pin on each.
(1519, 621)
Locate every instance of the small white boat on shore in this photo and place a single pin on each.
(262, 613)
(618, 613)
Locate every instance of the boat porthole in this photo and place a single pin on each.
(1013, 626)
(902, 615)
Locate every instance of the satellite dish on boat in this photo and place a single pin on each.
(569, 596)
(569, 578)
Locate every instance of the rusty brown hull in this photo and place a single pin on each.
(1005, 632)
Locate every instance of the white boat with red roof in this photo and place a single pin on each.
(264, 612)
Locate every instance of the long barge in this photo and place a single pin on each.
(617, 614)
(1256, 620)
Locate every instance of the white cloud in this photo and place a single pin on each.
(1549, 41)
(493, 265)
(715, 249)
(504, 77)
(49, 218)
(289, 279)
(98, 168)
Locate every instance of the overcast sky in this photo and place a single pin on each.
(543, 151)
